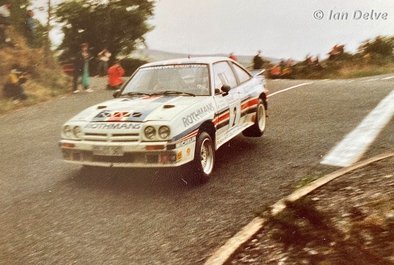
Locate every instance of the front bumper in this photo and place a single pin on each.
(157, 154)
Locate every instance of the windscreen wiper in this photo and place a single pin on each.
(137, 94)
(174, 92)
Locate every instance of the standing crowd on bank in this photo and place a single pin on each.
(81, 71)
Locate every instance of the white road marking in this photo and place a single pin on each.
(354, 145)
(289, 88)
(388, 78)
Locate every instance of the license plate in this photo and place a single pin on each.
(108, 150)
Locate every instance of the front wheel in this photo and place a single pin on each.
(204, 159)
(258, 128)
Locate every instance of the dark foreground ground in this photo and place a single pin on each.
(348, 221)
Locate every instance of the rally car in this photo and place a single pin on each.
(169, 114)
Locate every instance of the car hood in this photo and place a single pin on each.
(138, 109)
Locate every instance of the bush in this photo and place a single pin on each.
(374, 57)
(131, 64)
(380, 47)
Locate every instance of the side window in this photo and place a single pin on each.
(223, 75)
(243, 76)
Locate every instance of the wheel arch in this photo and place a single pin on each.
(208, 127)
(264, 98)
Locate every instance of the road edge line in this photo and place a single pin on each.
(226, 251)
(289, 88)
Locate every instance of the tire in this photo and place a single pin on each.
(258, 128)
(204, 159)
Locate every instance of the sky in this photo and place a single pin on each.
(281, 29)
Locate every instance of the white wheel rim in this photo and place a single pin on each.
(261, 117)
(206, 155)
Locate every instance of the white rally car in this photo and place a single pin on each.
(169, 114)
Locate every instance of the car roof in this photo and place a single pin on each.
(196, 60)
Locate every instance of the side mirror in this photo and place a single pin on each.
(218, 91)
(225, 89)
(116, 94)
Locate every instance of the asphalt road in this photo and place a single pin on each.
(51, 213)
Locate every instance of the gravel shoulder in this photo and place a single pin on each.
(348, 221)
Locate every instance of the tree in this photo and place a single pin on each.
(18, 12)
(118, 25)
(380, 47)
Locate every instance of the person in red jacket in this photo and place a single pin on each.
(115, 74)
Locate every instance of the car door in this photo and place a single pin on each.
(229, 104)
(244, 89)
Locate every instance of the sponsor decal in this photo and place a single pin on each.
(186, 134)
(179, 156)
(197, 115)
(173, 66)
(186, 142)
(114, 126)
(150, 103)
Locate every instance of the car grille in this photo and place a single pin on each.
(115, 137)
(87, 156)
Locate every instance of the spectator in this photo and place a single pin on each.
(30, 25)
(282, 64)
(81, 69)
(13, 87)
(258, 61)
(103, 56)
(115, 74)
(276, 71)
(336, 51)
(233, 57)
(4, 22)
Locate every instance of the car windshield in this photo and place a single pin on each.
(177, 79)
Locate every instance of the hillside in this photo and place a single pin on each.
(45, 78)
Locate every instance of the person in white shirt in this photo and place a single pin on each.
(103, 57)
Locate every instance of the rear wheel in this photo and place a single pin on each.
(204, 159)
(258, 128)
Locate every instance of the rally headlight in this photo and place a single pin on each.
(67, 131)
(164, 132)
(150, 132)
(77, 131)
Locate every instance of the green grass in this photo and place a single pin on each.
(363, 71)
